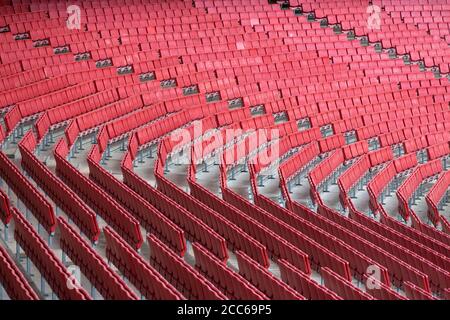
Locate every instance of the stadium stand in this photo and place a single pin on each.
(215, 150)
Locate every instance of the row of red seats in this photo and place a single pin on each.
(343, 287)
(330, 143)
(114, 6)
(271, 77)
(394, 33)
(11, 56)
(404, 265)
(317, 254)
(2, 134)
(12, 118)
(31, 25)
(237, 237)
(405, 101)
(58, 35)
(299, 160)
(72, 109)
(361, 95)
(347, 124)
(60, 194)
(438, 240)
(142, 275)
(192, 18)
(178, 111)
(104, 205)
(439, 260)
(119, 56)
(45, 260)
(380, 291)
(415, 144)
(253, 7)
(25, 16)
(351, 177)
(405, 162)
(410, 130)
(233, 285)
(408, 187)
(438, 276)
(85, 45)
(266, 282)
(13, 281)
(396, 131)
(5, 212)
(216, 221)
(14, 9)
(423, 245)
(435, 138)
(98, 116)
(416, 293)
(290, 138)
(380, 156)
(149, 217)
(106, 10)
(176, 101)
(115, 53)
(326, 236)
(303, 284)
(140, 118)
(31, 107)
(30, 91)
(228, 118)
(161, 74)
(277, 66)
(325, 118)
(92, 265)
(210, 145)
(41, 62)
(434, 196)
(25, 22)
(323, 170)
(27, 193)
(426, 103)
(22, 79)
(248, 223)
(438, 150)
(355, 150)
(131, 86)
(154, 131)
(115, 110)
(56, 98)
(430, 255)
(183, 276)
(148, 17)
(158, 129)
(384, 177)
(351, 226)
(194, 228)
(10, 68)
(221, 33)
(206, 81)
(445, 225)
(148, 64)
(442, 236)
(77, 70)
(54, 29)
